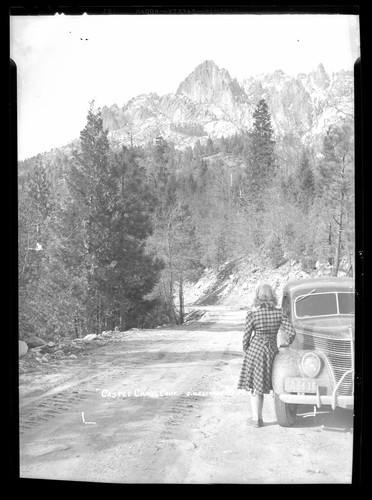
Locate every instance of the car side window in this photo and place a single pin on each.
(286, 306)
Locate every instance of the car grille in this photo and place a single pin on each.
(338, 351)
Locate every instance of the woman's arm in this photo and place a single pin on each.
(288, 328)
(248, 329)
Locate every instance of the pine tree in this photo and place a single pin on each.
(336, 171)
(133, 272)
(40, 189)
(209, 147)
(157, 163)
(92, 187)
(223, 145)
(306, 182)
(197, 150)
(35, 207)
(112, 203)
(236, 145)
(46, 284)
(259, 154)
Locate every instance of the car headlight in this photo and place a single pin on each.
(310, 364)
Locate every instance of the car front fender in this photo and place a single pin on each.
(286, 364)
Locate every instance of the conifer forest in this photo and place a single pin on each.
(108, 235)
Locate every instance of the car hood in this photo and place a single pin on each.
(334, 324)
(328, 322)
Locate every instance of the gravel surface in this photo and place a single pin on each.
(161, 406)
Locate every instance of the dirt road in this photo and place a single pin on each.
(161, 406)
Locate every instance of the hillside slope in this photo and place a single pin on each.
(234, 283)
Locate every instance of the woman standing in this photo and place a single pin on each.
(264, 320)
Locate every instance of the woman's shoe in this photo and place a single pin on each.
(255, 423)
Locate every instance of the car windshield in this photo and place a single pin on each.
(324, 304)
(346, 303)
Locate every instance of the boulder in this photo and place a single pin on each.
(89, 337)
(22, 348)
(35, 342)
(45, 359)
(73, 356)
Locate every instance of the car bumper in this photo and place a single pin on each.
(333, 400)
(318, 400)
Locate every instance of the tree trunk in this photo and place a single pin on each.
(98, 319)
(349, 249)
(122, 322)
(338, 247)
(122, 313)
(330, 256)
(171, 288)
(350, 261)
(337, 256)
(180, 294)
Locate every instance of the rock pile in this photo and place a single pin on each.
(41, 352)
(54, 353)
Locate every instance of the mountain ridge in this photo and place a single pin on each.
(210, 99)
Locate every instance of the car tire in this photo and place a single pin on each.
(285, 412)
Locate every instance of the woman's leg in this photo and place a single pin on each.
(260, 399)
(257, 405)
(254, 404)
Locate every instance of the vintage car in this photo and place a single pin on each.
(318, 367)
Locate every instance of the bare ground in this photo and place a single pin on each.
(161, 406)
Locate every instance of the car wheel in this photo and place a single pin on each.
(285, 412)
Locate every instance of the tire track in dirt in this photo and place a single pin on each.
(53, 403)
(65, 396)
(171, 442)
(152, 435)
(141, 460)
(48, 408)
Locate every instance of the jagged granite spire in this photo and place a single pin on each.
(320, 77)
(205, 82)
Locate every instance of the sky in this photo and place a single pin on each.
(63, 62)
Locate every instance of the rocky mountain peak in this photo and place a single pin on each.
(210, 103)
(320, 77)
(205, 82)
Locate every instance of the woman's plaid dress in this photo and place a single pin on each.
(260, 349)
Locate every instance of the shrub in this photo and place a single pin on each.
(273, 252)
